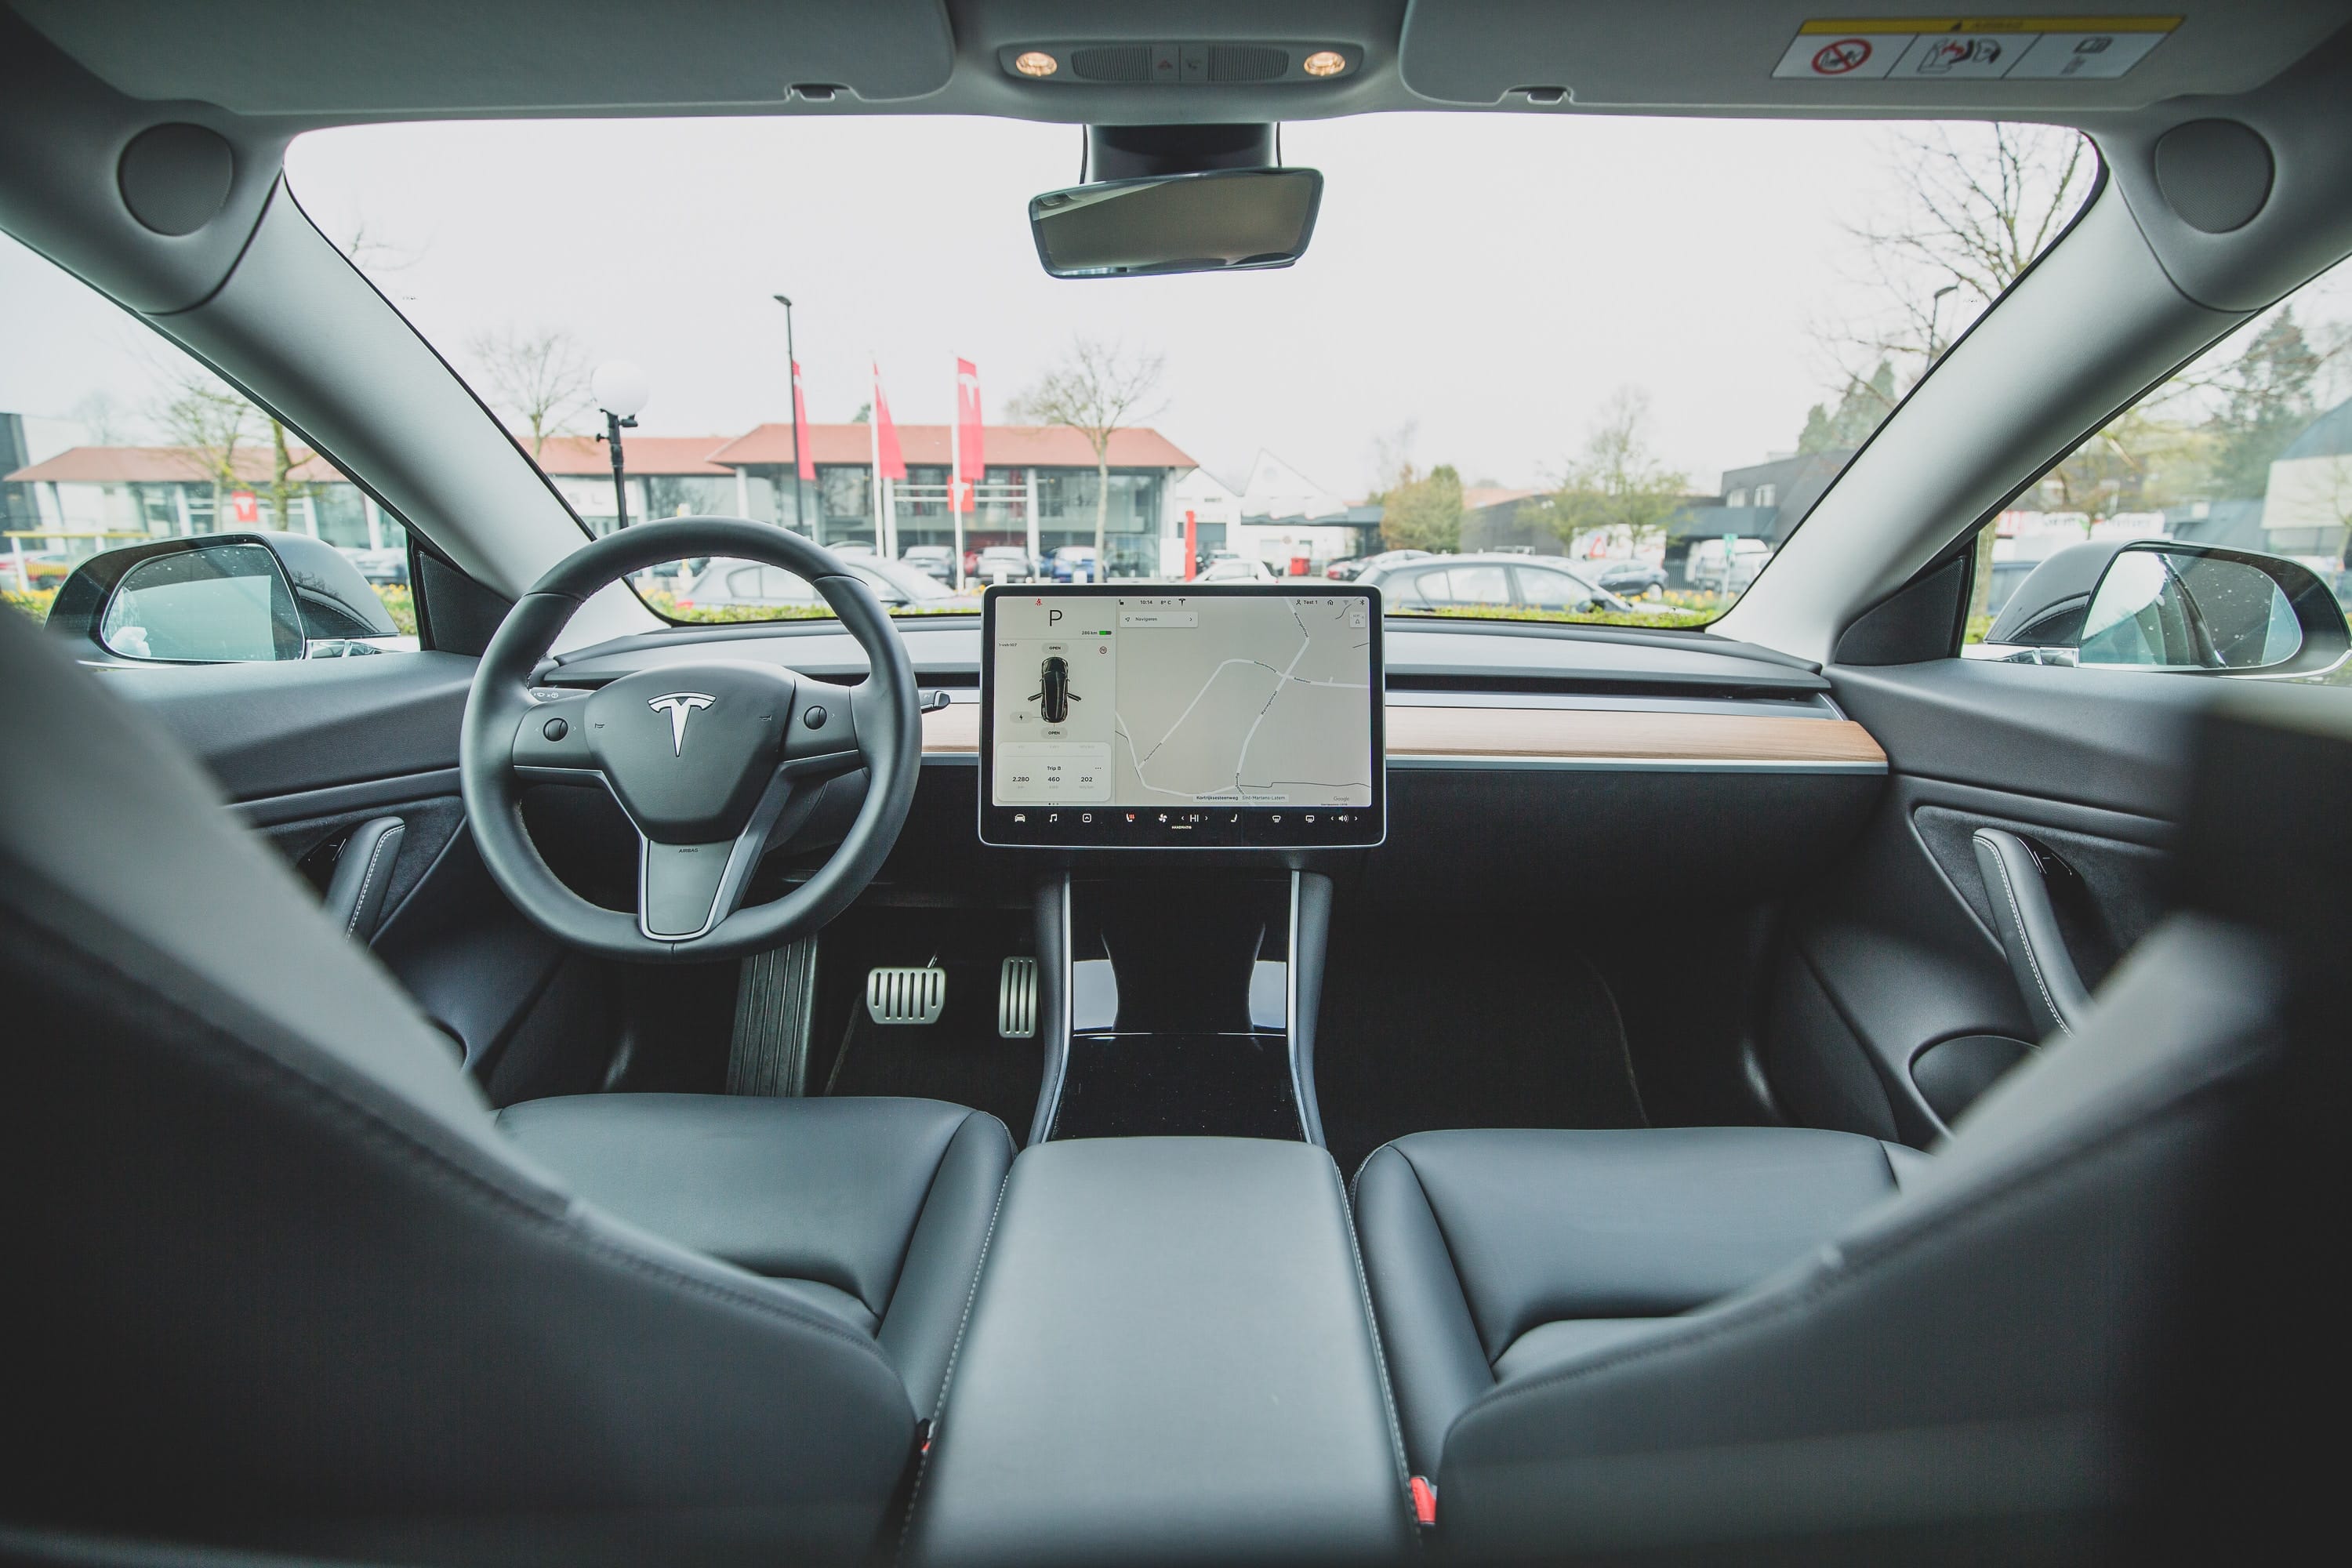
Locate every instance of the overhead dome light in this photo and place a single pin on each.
(1035, 62)
(1324, 62)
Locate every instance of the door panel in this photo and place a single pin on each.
(1899, 952)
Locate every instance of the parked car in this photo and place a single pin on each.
(1703, 568)
(728, 583)
(1071, 563)
(385, 566)
(1632, 579)
(1348, 570)
(934, 561)
(1489, 580)
(1234, 568)
(1003, 563)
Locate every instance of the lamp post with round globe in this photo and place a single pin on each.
(620, 390)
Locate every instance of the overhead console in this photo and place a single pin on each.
(1230, 716)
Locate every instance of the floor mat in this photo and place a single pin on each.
(1471, 1027)
(960, 1058)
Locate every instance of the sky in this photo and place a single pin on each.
(1490, 280)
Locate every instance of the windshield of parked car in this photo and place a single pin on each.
(1598, 369)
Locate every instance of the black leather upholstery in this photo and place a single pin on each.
(1979, 1368)
(872, 1209)
(1495, 1253)
(277, 1279)
(1959, 1358)
(1168, 1361)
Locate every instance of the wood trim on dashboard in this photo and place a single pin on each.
(1557, 734)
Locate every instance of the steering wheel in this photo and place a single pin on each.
(710, 759)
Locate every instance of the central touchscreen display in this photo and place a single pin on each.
(1142, 715)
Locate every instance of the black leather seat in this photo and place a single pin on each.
(280, 1280)
(873, 1210)
(1960, 1358)
(1493, 1256)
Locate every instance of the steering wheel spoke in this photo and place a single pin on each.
(685, 890)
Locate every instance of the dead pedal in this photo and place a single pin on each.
(1016, 999)
(906, 995)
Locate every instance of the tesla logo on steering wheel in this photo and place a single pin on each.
(681, 707)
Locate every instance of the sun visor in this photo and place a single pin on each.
(1716, 54)
(461, 56)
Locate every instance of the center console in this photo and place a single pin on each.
(1170, 1355)
(1169, 1358)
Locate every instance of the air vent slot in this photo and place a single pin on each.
(1246, 62)
(1113, 62)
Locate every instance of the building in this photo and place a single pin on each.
(1038, 493)
(1038, 489)
(2308, 505)
(87, 499)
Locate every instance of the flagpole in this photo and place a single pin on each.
(792, 362)
(874, 441)
(955, 476)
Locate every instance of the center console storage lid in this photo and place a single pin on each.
(1168, 1359)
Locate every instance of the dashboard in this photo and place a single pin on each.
(1201, 716)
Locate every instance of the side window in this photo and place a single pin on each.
(1479, 586)
(193, 526)
(1543, 590)
(2203, 529)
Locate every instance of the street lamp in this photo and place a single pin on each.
(793, 362)
(1935, 314)
(620, 391)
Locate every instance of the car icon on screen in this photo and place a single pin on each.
(1055, 696)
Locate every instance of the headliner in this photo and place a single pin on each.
(297, 63)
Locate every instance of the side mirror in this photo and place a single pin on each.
(221, 598)
(2166, 605)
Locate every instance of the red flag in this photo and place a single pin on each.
(970, 464)
(887, 463)
(806, 458)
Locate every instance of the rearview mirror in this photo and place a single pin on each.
(226, 598)
(2170, 606)
(1222, 220)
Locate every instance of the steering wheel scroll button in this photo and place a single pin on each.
(813, 718)
(555, 728)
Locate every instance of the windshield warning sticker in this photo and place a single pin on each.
(1947, 49)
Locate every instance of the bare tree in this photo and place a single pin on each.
(1974, 205)
(211, 424)
(1619, 482)
(1097, 389)
(538, 379)
(1392, 457)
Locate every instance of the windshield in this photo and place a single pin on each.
(1531, 367)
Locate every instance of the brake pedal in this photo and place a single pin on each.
(906, 995)
(1016, 999)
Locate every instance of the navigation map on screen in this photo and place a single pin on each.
(1219, 709)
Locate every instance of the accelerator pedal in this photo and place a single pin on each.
(906, 995)
(1016, 999)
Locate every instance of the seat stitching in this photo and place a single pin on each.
(2025, 942)
(367, 879)
(955, 1354)
(267, 1071)
(1856, 1269)
(1453, 1262)
(931, 1190)
(1380, 1357)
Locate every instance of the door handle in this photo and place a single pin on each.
(362, 876)
(2028, 924)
